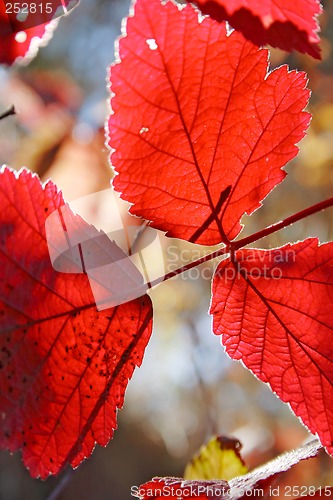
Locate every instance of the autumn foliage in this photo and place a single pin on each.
(203, 104)
(200, 131)
(283, 24)
(64, 365)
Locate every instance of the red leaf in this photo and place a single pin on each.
(22, 34)
(64, 366)
(200, 130)
(15, 45)
(280, 23)
(273, 309)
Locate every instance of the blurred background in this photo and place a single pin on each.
(187, 388)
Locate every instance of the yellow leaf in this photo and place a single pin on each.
(219, 459)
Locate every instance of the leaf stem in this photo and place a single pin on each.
(187, 267)
(236, 245)
(8, 112)
(282, 224)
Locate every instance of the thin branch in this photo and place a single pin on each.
(236, 245)
(8, 112)
(58, 490)
(318, 207)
